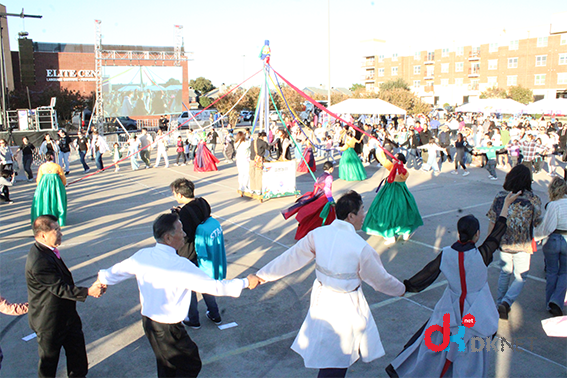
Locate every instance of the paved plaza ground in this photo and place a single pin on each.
(110, 217)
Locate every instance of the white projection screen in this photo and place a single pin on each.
(141, 90)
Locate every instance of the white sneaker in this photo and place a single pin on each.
(388, 241)
(466, 173)
(177, 165)
(454, 172)
(490, 177)
(406, 236)
(493, 178)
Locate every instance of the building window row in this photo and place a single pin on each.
(539, 79)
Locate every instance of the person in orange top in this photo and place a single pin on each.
(50, 196)
(393, 211)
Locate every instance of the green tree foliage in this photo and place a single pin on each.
(392, 84)
(205, 101)
(521, 94)
(172, 81)
(494, 93)
(404, 99)
(356, 87)
(201, 85)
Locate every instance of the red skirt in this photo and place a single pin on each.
(309, 219)
(310, 158)
(205, 161)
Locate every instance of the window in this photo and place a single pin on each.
(394, 71)
(540, 79)
(430, 56)
(562, 59)
(493, 64)
(445, 53)
(459, 67)
(380, 58)
(493, 47)
(514, 45)
(512, 62)
(380, 72)
(416, 83)
(474, 84)
(562, 78)
(445, 68)
(369, 87)
(493, 81)
(541, 60)
(394, 57)
(369, 61)
(459, 81)
(512, 81)
(460, 51)
(430, 71)
(542, 42)
(369, 74)
(444, 82)
(563, 39)
(417, 70)
(417, 56)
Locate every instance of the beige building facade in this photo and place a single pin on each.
(458, 75)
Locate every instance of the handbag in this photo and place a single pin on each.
(258, 160)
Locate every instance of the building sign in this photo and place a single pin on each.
(70, 75)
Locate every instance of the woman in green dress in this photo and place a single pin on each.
(393, 211)
(350, 166)
(50, 196)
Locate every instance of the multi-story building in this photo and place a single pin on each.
(459, 75)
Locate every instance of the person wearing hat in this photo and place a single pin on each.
(466, 269)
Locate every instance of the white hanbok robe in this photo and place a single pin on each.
(339, 327)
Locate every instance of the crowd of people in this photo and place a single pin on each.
(189, 255)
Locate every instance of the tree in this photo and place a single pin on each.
(494, 93)
(521, 94)
(356, 87)
(404, 99)
(205, 101)
(172, 81)
(391, 84)
(201, 85)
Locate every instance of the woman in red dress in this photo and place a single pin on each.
(205, 161)
(307, 157)
(314, 209)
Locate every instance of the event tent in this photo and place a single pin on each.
(556, 106)
(492, 105)
(365, 106)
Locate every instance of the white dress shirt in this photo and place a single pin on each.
(165, 281)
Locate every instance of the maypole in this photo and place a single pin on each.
(264, 99)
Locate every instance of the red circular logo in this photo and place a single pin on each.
(468, 320)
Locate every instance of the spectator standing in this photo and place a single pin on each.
(161, 147)
(64, 144)
(27, 148)
(99, 146)
(146, 142)
(6, 158)
(180, 149)
(82, 146)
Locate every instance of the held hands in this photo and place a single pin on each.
(97, 289)
(253, 281)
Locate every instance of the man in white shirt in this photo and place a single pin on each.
(165, 281)
(161, 144)
(339, 327)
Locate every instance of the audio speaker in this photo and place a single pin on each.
(27, 65)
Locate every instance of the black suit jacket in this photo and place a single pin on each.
(52, 294)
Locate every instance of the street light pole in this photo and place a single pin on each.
(329, 50)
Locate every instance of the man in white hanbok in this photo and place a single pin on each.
(339, 327)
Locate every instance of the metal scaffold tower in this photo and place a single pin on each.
(178, 44)
(98, 113)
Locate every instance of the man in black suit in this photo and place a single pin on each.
(52, 297)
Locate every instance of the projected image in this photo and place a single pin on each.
(141, 91)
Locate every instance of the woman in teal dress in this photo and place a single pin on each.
(50, 196)
(393, 211)
(350, 166)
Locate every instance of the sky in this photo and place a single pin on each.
(226, 36)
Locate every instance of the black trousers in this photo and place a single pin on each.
(332, 373)
(176, 354)
(49, 347)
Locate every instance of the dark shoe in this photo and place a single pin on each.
(66, 173)
(192, 325)
(503, 310)
(217, 320)
(555, 310)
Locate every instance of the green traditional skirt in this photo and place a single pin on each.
(350, 167)
(50, 198)
(393, 212)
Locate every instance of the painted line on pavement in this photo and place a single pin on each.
(454, 210)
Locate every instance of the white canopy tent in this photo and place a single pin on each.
(492, 105)
(556, 106)
(365, 106)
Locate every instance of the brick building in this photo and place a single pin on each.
(459, 75)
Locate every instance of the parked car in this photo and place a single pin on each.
(128, 123)
(187, 121)
(247, 115)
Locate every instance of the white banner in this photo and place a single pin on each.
(23, 119)
(278, 178)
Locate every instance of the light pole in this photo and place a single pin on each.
(329, 51)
